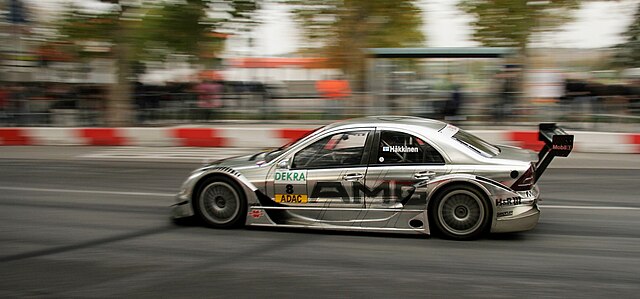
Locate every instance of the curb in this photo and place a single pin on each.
(585, 142)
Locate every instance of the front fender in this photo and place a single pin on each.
(183, 206)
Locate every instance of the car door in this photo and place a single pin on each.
(319, 181)
(400, 162)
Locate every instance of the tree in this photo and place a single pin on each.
(628, 53)
(142, 31)
(342, 29)
(510, 23)
(191, 27)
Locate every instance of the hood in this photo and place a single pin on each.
(256, 159)
(516, 153)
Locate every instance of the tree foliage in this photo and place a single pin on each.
(176, 27)
(510, 23)
(342, 29)
(628, 53)
(79, 28)
(151, 31)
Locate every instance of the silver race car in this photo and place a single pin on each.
(384, 174)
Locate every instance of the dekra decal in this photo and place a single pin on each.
(290, 176)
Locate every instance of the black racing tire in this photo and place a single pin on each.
(220, 203)
(460, 212)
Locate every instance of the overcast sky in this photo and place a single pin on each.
(596, 24)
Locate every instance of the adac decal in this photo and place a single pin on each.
(291, 198)
(509, 201)
(291, 176)
(401, 192)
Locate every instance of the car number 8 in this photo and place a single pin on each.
(289, 189)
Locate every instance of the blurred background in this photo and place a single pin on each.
(93, 221)
(169, 62)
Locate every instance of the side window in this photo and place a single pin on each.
(402, 148)
(341, 149)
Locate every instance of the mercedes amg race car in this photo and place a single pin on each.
(384, 174)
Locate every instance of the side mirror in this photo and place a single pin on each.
(284, 164)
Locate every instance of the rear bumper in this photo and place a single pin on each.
(523, 221)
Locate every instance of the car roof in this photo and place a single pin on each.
(390, 120)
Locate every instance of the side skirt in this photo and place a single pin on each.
(408, 221)
(412, 231)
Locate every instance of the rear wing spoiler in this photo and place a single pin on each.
(556, 143)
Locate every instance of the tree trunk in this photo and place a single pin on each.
(119, 106)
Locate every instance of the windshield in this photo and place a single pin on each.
(475, 143)
(276, 152)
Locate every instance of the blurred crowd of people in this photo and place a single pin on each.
(63, 104)
(585, 98)
(199, 101)
(562, 98)
(37, 103)
(69, 104)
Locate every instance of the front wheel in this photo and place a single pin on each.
(220, 203)
(460, 212)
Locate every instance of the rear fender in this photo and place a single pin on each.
(500, 196)
(433, 186)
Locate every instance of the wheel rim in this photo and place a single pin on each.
(461, 212)
(219, 202)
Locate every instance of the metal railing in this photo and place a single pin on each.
(183, 108)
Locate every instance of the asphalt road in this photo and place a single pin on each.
(77, 224)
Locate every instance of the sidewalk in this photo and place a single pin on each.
(266, 136)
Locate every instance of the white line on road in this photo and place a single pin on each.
(171, 195)
(588, 207)
(87, 191)
(167, 153)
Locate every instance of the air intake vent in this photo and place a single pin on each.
(415, 223)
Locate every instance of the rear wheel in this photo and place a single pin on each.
(460, 212)
(220, 203)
